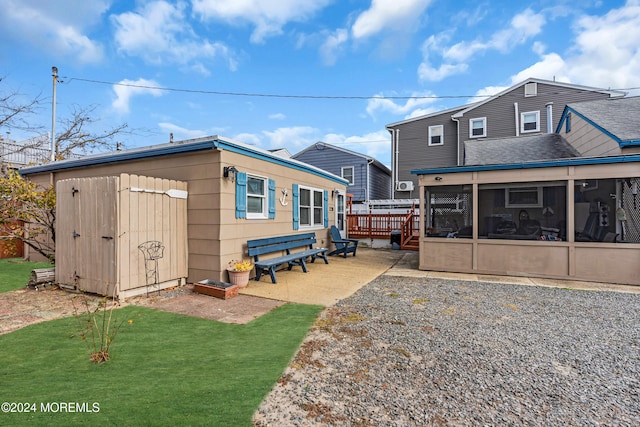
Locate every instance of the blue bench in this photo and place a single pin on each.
(284, 244)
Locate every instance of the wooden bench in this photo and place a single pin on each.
(285, 244)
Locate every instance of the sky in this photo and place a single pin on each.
(290, 73)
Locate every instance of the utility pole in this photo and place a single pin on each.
(53, 114)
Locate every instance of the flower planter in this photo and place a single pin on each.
(216, 289)
(239, 278)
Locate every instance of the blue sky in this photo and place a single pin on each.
(289, 73)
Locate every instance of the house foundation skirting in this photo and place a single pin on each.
(586, 261)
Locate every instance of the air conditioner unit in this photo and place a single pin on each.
(404, 186)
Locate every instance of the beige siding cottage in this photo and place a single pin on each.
(235, 193)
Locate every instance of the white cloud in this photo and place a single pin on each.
(248, 138)
(159, 33)
(126, 89)
(374, 144)
(607, 52)
(550, 67)
(50, 28)
(277, 116)
(418, 100)
(268, 17)
(522, 27)
(427, 73)
(384, 14)
(332, 45)
(292, 138)
(180, 133)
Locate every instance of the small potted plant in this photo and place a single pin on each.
(239, 272)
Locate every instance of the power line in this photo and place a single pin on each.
(271, 95)
(275, 95)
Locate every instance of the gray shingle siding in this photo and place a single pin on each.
(502, 121)
(414, 149)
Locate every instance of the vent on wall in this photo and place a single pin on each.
(404, 186)
(531, 89)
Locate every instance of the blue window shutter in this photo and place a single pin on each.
(326, 208)
(241, 194)
(296, 206)
(272, 199)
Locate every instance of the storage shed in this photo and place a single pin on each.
(237, 193)
(121, 235)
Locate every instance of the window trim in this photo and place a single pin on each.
(312, 207)
(484, 127)
(353, 173)
(522, 122)
(265, 197)
(431, 129)
(523, 189)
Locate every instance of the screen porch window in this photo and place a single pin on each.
(436, 135)
(478, 127)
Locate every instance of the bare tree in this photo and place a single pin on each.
(76, 137)
(15, 111)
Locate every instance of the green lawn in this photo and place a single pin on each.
(14, 273)
(166, 369)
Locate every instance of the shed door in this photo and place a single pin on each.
(86, 234)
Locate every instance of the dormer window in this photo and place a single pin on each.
(478, 127)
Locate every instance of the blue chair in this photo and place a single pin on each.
(343, 246)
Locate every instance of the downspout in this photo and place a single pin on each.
(395, 142)
(368, 194)
(549, 106)
(458, 163)
(515, 107)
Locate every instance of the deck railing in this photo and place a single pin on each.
(380, 225)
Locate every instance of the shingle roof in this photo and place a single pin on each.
(618, 116)
(519, 149)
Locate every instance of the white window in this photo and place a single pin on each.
(256, 197)
(523, 197)
(478, 127)
(530, 122)
(347, 173)
(436, 135)
(531, 89)
(311, 207)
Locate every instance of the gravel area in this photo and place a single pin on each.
(414, 351)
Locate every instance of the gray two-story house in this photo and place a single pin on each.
(368, 178)
(532, 107)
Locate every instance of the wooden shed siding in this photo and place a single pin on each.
(101, 222)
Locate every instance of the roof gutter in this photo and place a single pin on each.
(576, 161)
(121, 156)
